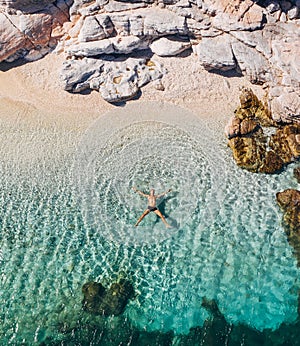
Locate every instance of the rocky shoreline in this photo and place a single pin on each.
(112, 46)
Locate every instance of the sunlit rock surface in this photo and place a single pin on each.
(257, 39)
(254, 150)
(30, 29)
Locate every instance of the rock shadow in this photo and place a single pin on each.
(227, 74)
(6, 66)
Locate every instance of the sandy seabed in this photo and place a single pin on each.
(40, 122)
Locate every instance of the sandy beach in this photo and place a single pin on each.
(33, 93)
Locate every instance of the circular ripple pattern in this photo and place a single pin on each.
(226, 243)
(151, 153)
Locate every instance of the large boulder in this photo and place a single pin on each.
(107, 302)
(12, 40)
(248, 152)
(23, 34)
(116, 80)
(114, 45)
(28, 6)
(297, 174)
(216, 53)
(96, 28)
(289, 201)
(248, 37)
(251, 148)
(286, 142)
(167, 47)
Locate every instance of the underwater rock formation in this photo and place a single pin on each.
(289, 202)
(107, 302)
(251, 148)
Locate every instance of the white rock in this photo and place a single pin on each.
(76, 73)
(37, 27)
(27, 6)
(163, 22)
(273, 6)
(90, 49)
(126, 25)
(293, 13)
(116, 45)
(256, 39)
(286, 107)
(216, 53)
(116, 6)
(283, 17)
(197, 28)
(122, 80)
(95, 28)
(252, 63)
(243, 19)
(167, 47)
(285, 56)
(81, 5)
(127, 44)
(36, 54)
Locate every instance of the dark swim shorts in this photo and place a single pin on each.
(151, 208)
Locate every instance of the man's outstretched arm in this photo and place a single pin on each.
(164, 193)
(139, 192)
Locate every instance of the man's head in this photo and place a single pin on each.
(152, 192)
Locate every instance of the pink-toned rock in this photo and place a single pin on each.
(232, 129)
(11, 39)
(26, 6)
(216, 53)
(240, 127)
(24, 32)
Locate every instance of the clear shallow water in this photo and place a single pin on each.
(70, 222)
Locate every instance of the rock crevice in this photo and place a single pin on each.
(259, 40)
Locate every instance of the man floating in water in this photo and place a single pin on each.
(152, 205)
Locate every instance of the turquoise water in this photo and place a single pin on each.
(67, 222)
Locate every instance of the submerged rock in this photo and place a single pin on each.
(248, 152)
(116, 298)
(93, 294)
(289, 202)
(297, 173)
(107, 302)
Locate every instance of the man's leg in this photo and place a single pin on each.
(147, 211)
(157, 212)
